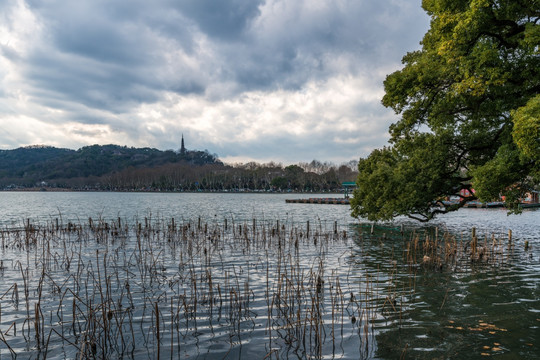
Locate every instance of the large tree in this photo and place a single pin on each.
(470, 113)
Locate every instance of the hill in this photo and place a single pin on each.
(27, 165)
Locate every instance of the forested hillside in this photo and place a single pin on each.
(120, 168)
(27, 165)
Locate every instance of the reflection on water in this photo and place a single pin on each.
(223, 296)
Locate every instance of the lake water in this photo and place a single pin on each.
(15, 207)
(358, 293)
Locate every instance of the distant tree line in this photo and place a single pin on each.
(119, 168)
(182, 176)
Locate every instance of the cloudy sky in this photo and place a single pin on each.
(282, 80)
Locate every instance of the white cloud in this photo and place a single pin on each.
(327, 112)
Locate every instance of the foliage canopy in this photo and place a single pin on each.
(470, 113)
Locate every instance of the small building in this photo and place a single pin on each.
(347, 187)
(531, 198)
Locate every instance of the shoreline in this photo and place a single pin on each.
(42, 189)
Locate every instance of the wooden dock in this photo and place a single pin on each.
(329, 201)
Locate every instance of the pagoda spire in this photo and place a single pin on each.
(182, 147)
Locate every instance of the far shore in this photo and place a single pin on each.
(242, 191)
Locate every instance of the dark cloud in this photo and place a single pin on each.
(225, 20)
(307, 43)
(253, 50)
(9, 53)
(111, 88)
(109, 56)
(102, 42)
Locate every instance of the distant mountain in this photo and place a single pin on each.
(27, 165)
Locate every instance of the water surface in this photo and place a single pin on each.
(472, 310)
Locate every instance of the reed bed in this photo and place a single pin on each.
(400, 256)
(168, 288)
(432, 248)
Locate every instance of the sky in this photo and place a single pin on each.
(249, 80)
